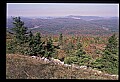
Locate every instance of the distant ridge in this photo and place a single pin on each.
(70, 24)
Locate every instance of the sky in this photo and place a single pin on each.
(62, 9)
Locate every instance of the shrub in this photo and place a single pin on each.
(10, 47)
(70, 60)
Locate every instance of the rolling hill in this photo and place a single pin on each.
(70, 25)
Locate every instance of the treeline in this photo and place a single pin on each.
(27, 43)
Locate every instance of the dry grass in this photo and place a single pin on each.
(24, 67)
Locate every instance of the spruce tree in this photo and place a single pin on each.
(19, 40)
(50, 50)
(83, 58)
(111, 54)
(38, 44)
(112, 45)
(19, 30)
(109, 61)
(25, 44)
(30, 50)
(60, 39)
(35, 45)
(80, 50)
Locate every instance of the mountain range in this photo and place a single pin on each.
(70, 24)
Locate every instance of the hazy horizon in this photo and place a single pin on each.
(62, 9)
(58, 16)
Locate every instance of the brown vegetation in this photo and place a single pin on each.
(25, 67)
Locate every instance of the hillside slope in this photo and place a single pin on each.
(25, 67)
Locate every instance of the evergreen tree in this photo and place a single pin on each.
(19, 30)
(60, 39)
(69, 48)
(19, 40)
(80, 51)
(49, 52)
(30, 48)
(109, 60)
(111, 54)
(83, 58)
(25, 44)
(79, 45)
(112, 45)
(38, 44)
(35, 45)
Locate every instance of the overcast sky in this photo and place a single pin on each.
(62, 9)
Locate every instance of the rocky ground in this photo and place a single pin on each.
(27, 67)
